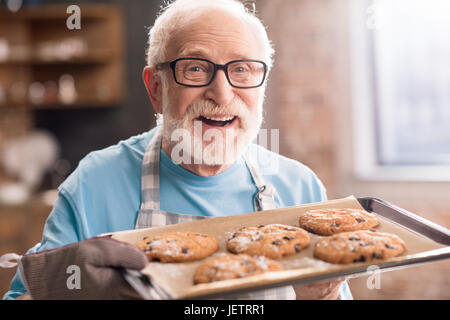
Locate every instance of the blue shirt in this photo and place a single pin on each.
(104, 193)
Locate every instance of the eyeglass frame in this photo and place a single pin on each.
(223, 67)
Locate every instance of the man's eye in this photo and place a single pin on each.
(196, 69)
(240, 69)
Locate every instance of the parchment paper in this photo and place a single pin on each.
(177, 278)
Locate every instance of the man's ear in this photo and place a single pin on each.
(153, 84)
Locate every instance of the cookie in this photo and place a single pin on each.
(331, 221)
(272, 241)
(226, 266)
(358, 246)
(178, 246)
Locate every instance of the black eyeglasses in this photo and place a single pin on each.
(197, 72)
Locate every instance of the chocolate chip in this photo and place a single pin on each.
(335, 224)
(363, 244)
(148, 249)
(359, 220)
(156, 259)
(354, 238)
(360, 259)
(297, 248)
(232, 236)
(288, 238)
(391, 246)
(377, 255)
(144, 238)
(276, 242)
(261, 226)
(184, 250)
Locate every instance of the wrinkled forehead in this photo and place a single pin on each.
(217, 35)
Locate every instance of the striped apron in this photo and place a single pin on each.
(150, 214)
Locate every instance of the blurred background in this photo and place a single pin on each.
(360, 92)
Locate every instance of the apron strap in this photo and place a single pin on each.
(150, 173)
(265, 197)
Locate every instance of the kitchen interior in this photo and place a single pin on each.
(359, 92)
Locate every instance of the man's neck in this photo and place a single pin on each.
(202, 170)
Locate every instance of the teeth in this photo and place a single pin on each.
(219, 118)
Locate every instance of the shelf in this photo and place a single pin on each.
(93, 103)
(49, 12)
(60, 106)
(41, 49)
(89, 59)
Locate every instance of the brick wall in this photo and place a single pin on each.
(299, 97)
(307, 93)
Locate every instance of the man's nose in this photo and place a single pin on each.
(220, 91)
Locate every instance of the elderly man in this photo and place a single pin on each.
(208, 62)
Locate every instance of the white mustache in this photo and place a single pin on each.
(207, 108)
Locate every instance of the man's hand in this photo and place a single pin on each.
(89, 269)
(319, 291)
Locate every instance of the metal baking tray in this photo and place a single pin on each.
(414, 223)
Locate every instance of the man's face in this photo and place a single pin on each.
(227, 116)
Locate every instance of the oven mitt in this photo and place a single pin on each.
(90, 269)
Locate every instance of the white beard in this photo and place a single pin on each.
(209, 147)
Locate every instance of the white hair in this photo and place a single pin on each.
(179, 12)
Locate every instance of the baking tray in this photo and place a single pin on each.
(402, 218)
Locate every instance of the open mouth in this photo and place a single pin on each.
(217, 121)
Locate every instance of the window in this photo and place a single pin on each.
(401, 88)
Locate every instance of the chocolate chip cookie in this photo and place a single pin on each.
(331, 221)
(273, 240)
(358, 246)
(178, 246)
(226, 266)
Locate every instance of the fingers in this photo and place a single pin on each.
(325, 290)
